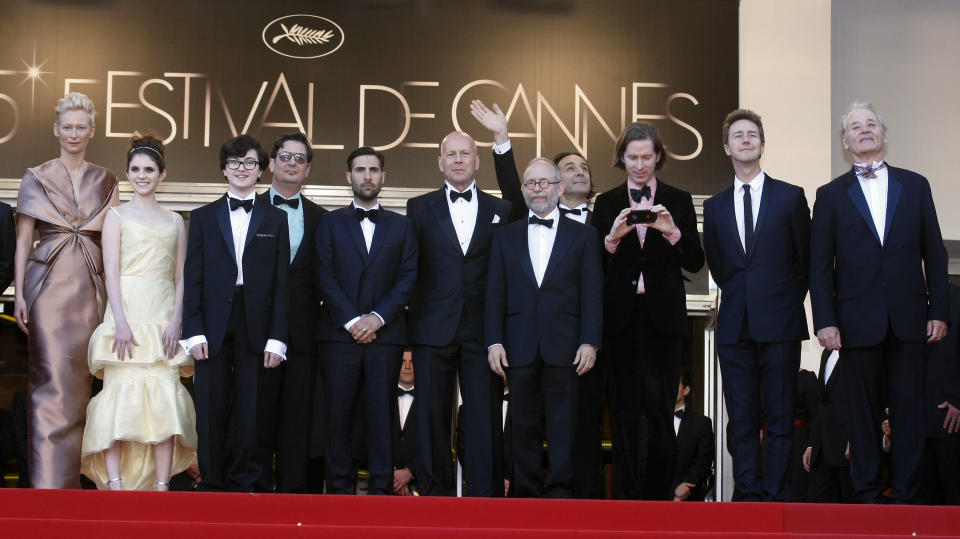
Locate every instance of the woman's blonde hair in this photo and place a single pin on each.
(76, 101)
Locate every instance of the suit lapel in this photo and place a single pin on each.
(309, 221)
(441, 213)
(223, 220)
(860, 202)
(769, 191)
(522, 245)
(894, 188)
(256, 217)
(561, 244)
(380, 232)
(484, 220)
(727, 204)
(352, 224)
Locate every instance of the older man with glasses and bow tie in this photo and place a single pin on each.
(543, 326)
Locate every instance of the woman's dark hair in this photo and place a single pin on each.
(149, 145)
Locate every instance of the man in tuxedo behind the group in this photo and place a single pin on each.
(235, 308)
(543, 325)
(756, 236)
(366, 269)
(695, 448)
(287, 392)
(453, 226)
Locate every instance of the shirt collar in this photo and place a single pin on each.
(274, 192)
(756, 184)
(652, 183)
(251, 196)
(583, 206)
(375, 206)
(555, 215)
(472, 187)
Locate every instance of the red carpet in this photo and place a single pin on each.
(34, 513)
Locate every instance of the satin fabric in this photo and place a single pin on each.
(65, 296)
(142, 401)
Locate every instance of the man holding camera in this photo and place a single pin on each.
(756, 234)
(650, 233)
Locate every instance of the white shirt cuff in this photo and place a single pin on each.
(501, 149)
(187, 344)
(350, 324)
(382, 321)
(276, 347)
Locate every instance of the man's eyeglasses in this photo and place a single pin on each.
(249, 164)
(542, 183)
(299, 158)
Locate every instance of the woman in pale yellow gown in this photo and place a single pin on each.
(141, 427)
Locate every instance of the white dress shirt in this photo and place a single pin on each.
(756, 191)
(404, 401)
(463, 214)
(239, 224)
(540, 243)
(831, 363)
(676, 420)
(367, 227)
(875, 191)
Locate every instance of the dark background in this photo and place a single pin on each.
(547, 46)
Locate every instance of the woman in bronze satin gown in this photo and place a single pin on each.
(60, 292)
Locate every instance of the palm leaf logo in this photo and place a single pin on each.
(302, 35)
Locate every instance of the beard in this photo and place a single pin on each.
(361, 195)
(541, 207)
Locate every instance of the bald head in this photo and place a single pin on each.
(458, 159)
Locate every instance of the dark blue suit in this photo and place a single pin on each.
(760, 325)
(446, 330)
(237, 323)
(541, 328)
(880, 299)
(354, 282)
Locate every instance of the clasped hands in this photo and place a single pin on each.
(364, 331)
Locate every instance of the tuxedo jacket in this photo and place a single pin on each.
(768, 283)
(829, 434)
(863, 287)
(695, 451)
(659, 262)
(508, 180)
(943, 372)
(8, 243)
(210, 274)
(556, 317)
(304, 298)
(354, 282)
(450, 283)
(405, 440)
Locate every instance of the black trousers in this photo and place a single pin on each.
(437, 369)
(283, 429)
(941, 471)
(353, 372)
(750, 370)
(643, 369)
(829, 484)
(226, 390)
(543, 400)
(890, 374)
(588, 435)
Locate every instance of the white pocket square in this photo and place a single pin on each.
(496, 218)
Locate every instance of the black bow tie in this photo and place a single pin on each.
(466, 195)
(637, 194)
(534, 220)
(679, 413)
(575, 211)
(292, 202)
(506, 397)
(367, 214)
(401, 392)
(235, 203)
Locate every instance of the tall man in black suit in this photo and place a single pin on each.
(874, 230)
(543, 325)
(695, 447)
(287, 392)
(453, 226)
(574, 204)
(234, 310)
(8, 243)
(756, 234)
(645, 310)
(366, 268)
